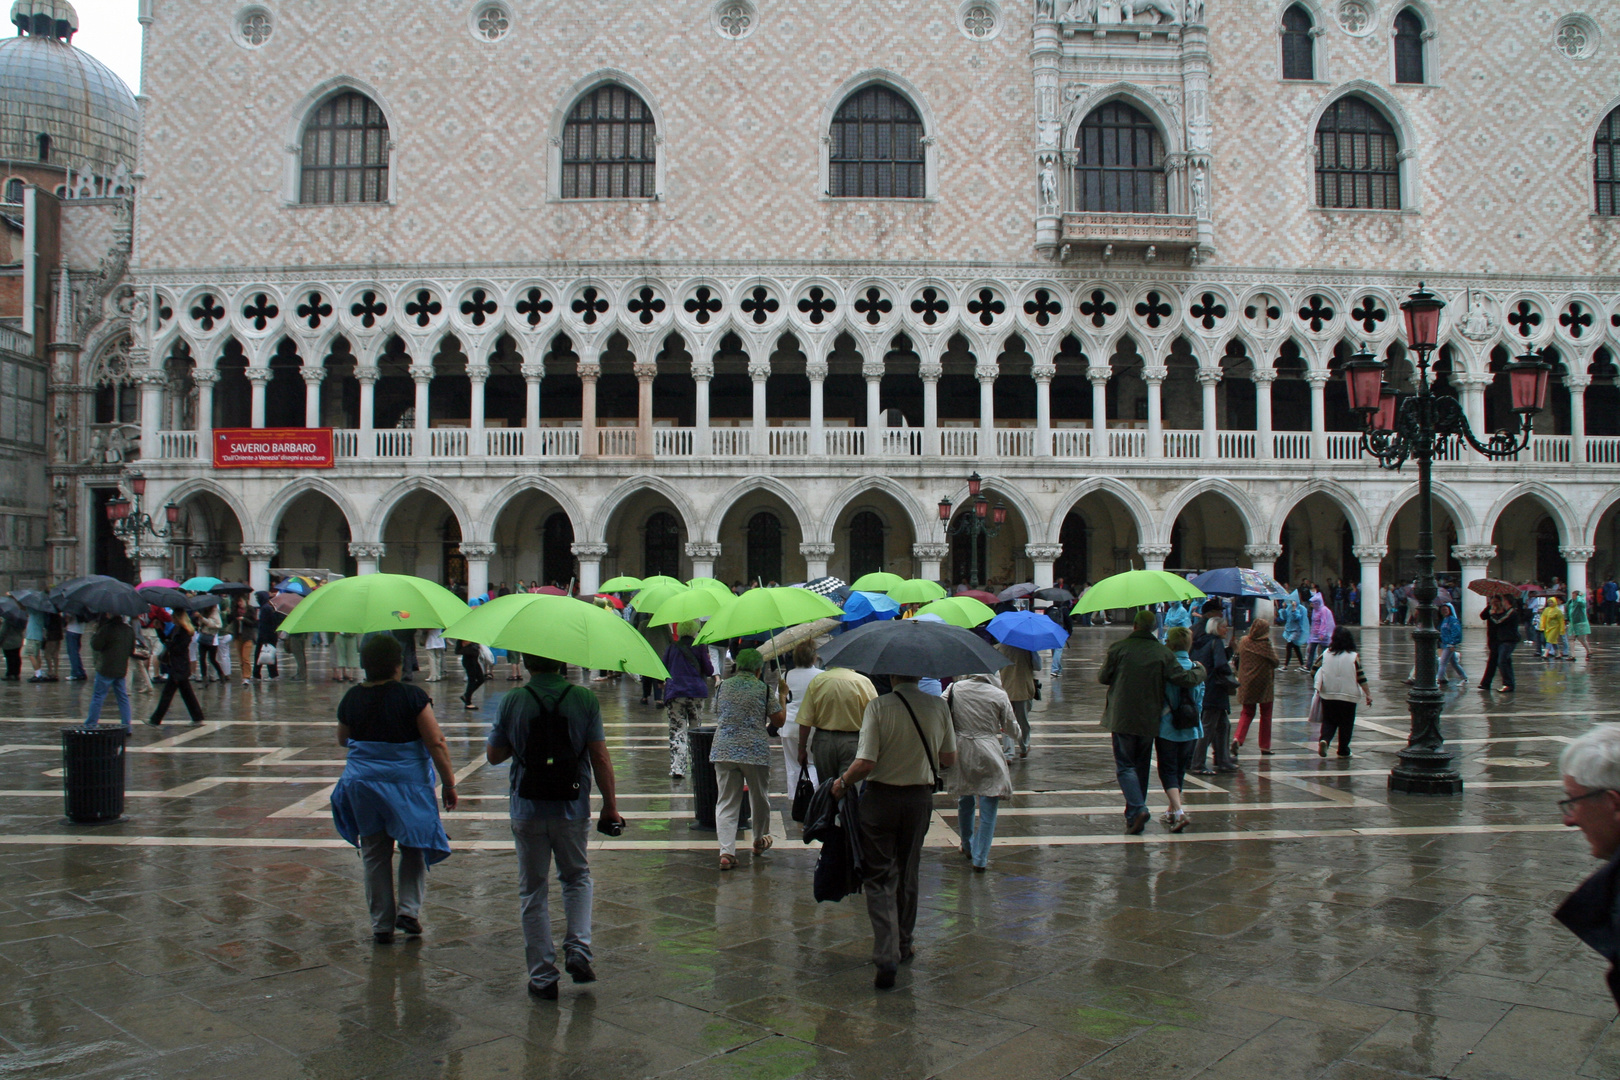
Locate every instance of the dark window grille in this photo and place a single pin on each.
(1297, 55)
(1120, 162)
(1356, 163)
(14, 192)
(865, 544)
(764, 548)
(345, 155)
(1606, 165)
(661, 549)
(609, 147)
(1408, 47)
(877, 148)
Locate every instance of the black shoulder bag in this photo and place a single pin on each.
(939, 782)
(550, 763)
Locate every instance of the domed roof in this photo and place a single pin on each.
(48, 87)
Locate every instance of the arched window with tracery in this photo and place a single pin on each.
(877, 147)
(1119, 162)
(1298, 51)
(609, 147)
(1606, 165)
(1357, 163)
(344, 158)
(1408, 47)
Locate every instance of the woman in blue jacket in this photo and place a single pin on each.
(1296, 631)
(1174, 746)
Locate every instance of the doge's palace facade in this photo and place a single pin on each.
(749, 287)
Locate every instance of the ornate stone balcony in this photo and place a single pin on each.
(1170, 231)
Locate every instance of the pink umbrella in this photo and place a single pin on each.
(167, 583)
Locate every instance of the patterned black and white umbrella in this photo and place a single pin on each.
(832, 588)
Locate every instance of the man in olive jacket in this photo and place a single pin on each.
(1135, 671)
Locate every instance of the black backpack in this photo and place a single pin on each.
(550, 763)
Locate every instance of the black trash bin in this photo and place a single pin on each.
(705, 788)
(93, 773)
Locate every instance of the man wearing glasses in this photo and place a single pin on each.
(1591, 770)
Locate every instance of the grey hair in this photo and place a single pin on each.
(1593, 760)
(1215, 625)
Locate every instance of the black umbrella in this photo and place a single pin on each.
(202, 602)
(98, 596)
(34, 600)
(1016, 592)
(10, 609)
(227, 587)
(163, 596)
(912, 647)
(1057, 596)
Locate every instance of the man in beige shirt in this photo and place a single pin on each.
(900, 760)
(833, 705)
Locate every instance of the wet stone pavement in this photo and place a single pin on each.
(1307, 925)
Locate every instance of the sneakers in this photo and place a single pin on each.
(1137, 822)
(1179, 822)
(1321, 748)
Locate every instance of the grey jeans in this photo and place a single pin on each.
(1217, 740)
(832, 752)
(538, 841)
(387, 905)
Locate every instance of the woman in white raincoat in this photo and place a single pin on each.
(981, 714)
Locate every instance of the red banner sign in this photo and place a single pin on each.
(273, 448)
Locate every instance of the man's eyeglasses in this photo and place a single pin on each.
(1567, 805)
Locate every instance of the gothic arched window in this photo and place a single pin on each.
(865, 544)
(877, 147)
(1408, 47)
(662, 548)
(345, 153)
(1119, 164)
(1298, 61)
(1606, 165)
(609, 147)
(764, 548)
(1356, 158)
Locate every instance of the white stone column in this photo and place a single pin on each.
(817, 372)
(477, 556)
(815, 559)
(367, 557)
(702, 372)
(1153, 555)
(987, 408)
(759, 371)
(152, 382)
(1577, 558)
(259, 378)
(644, 407)
(1475, 560)
(1370, 556)
(1264, 444)
(1154, 378)
(313, 377)
(1577, 416)
(1472, 386)
(421, 375)
(588, 374)
(205, 380)
(590, 558)
(872, 370)
(926, 560)
(1043, 556)
(1263, 557)
(1209, 379)
(931, 371)
(1099, 409)
(532, 375)
(477, 444)
(1318, 381)
(367, 377)
(258, 557)
(156, 560)
(1043, 374)
(703, 557)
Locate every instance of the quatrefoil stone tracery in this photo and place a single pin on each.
(1575, 320)
(1316, 313)
(930, 306)
(735, 19)
(873, 305)
(1524, 318)
(1098, 308)
(368, 309)
(1152, 309)
(478, 307)
(1043, 307)
(589, 306)
(703, 305)
(759, 305)
(646, 305)
(533, 306)
(986, 306)
(207, 311)
(423, 308)
(259, 311)
(816, 305)
(314, 310)
(493, 23)
(1209, 311)
(1369, 313)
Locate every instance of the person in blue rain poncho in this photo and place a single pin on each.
(1296, 622)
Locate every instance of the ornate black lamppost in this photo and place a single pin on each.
(983, 522)
(1397, 427)
(128, 521)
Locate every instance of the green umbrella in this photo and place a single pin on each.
(371, 602)
(878, 581)
(649, 598)
(622, 583)
(916, 591)
(1136, 588)
(714, 584)
(963, 611)
(759, 611)
(691, 604)
(561, 628)
(660, 579)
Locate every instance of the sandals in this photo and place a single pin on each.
(763, 844)
(728, 862)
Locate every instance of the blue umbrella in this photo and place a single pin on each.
(293, 585)
(1027, 630)
(1239, 581)
(869, 605)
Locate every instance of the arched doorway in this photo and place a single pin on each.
(646, 535)
(313, 532)
(759, 538)
(207, 540)
(423, 537)
(1099, 538)
(661, 546)
(866, 544)
(1316, 540)
(872, 531)
(533, 541)
(1527, 540)
(1207, 534)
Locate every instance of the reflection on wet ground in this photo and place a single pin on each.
(1308, 924)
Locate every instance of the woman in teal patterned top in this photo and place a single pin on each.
(749, 714)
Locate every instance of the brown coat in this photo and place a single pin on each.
(1257, 670)
(1018, 677)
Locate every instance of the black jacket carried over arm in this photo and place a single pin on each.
(1592, 912)
(834, 822)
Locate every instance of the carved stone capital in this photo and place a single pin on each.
(368, 374)
(1043, 372)
(817, 551)
(259, 552)
(644, 371)
(477, 373)
(421, 372)
(1365, 552)
(698, 550)
(872, 369)
(1473, 553)
(930, 551)
(1577, 554)
(1264, 375)
(367, 551)
(258, 374)
(205, 376)
(312, 376)
(1263, 552)
(1208, 376)
(1099, 376)
(1577, 382)
(703, 370)
(930, 372)
(589, 372)
(815, 370)
(1044, 552)
(986, 372)
(533, 372)
(759, 370)
(597, 552)
(1470, 380)
(477, 551)
(1159, 552)
(1155, 373)
(1318, 378)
